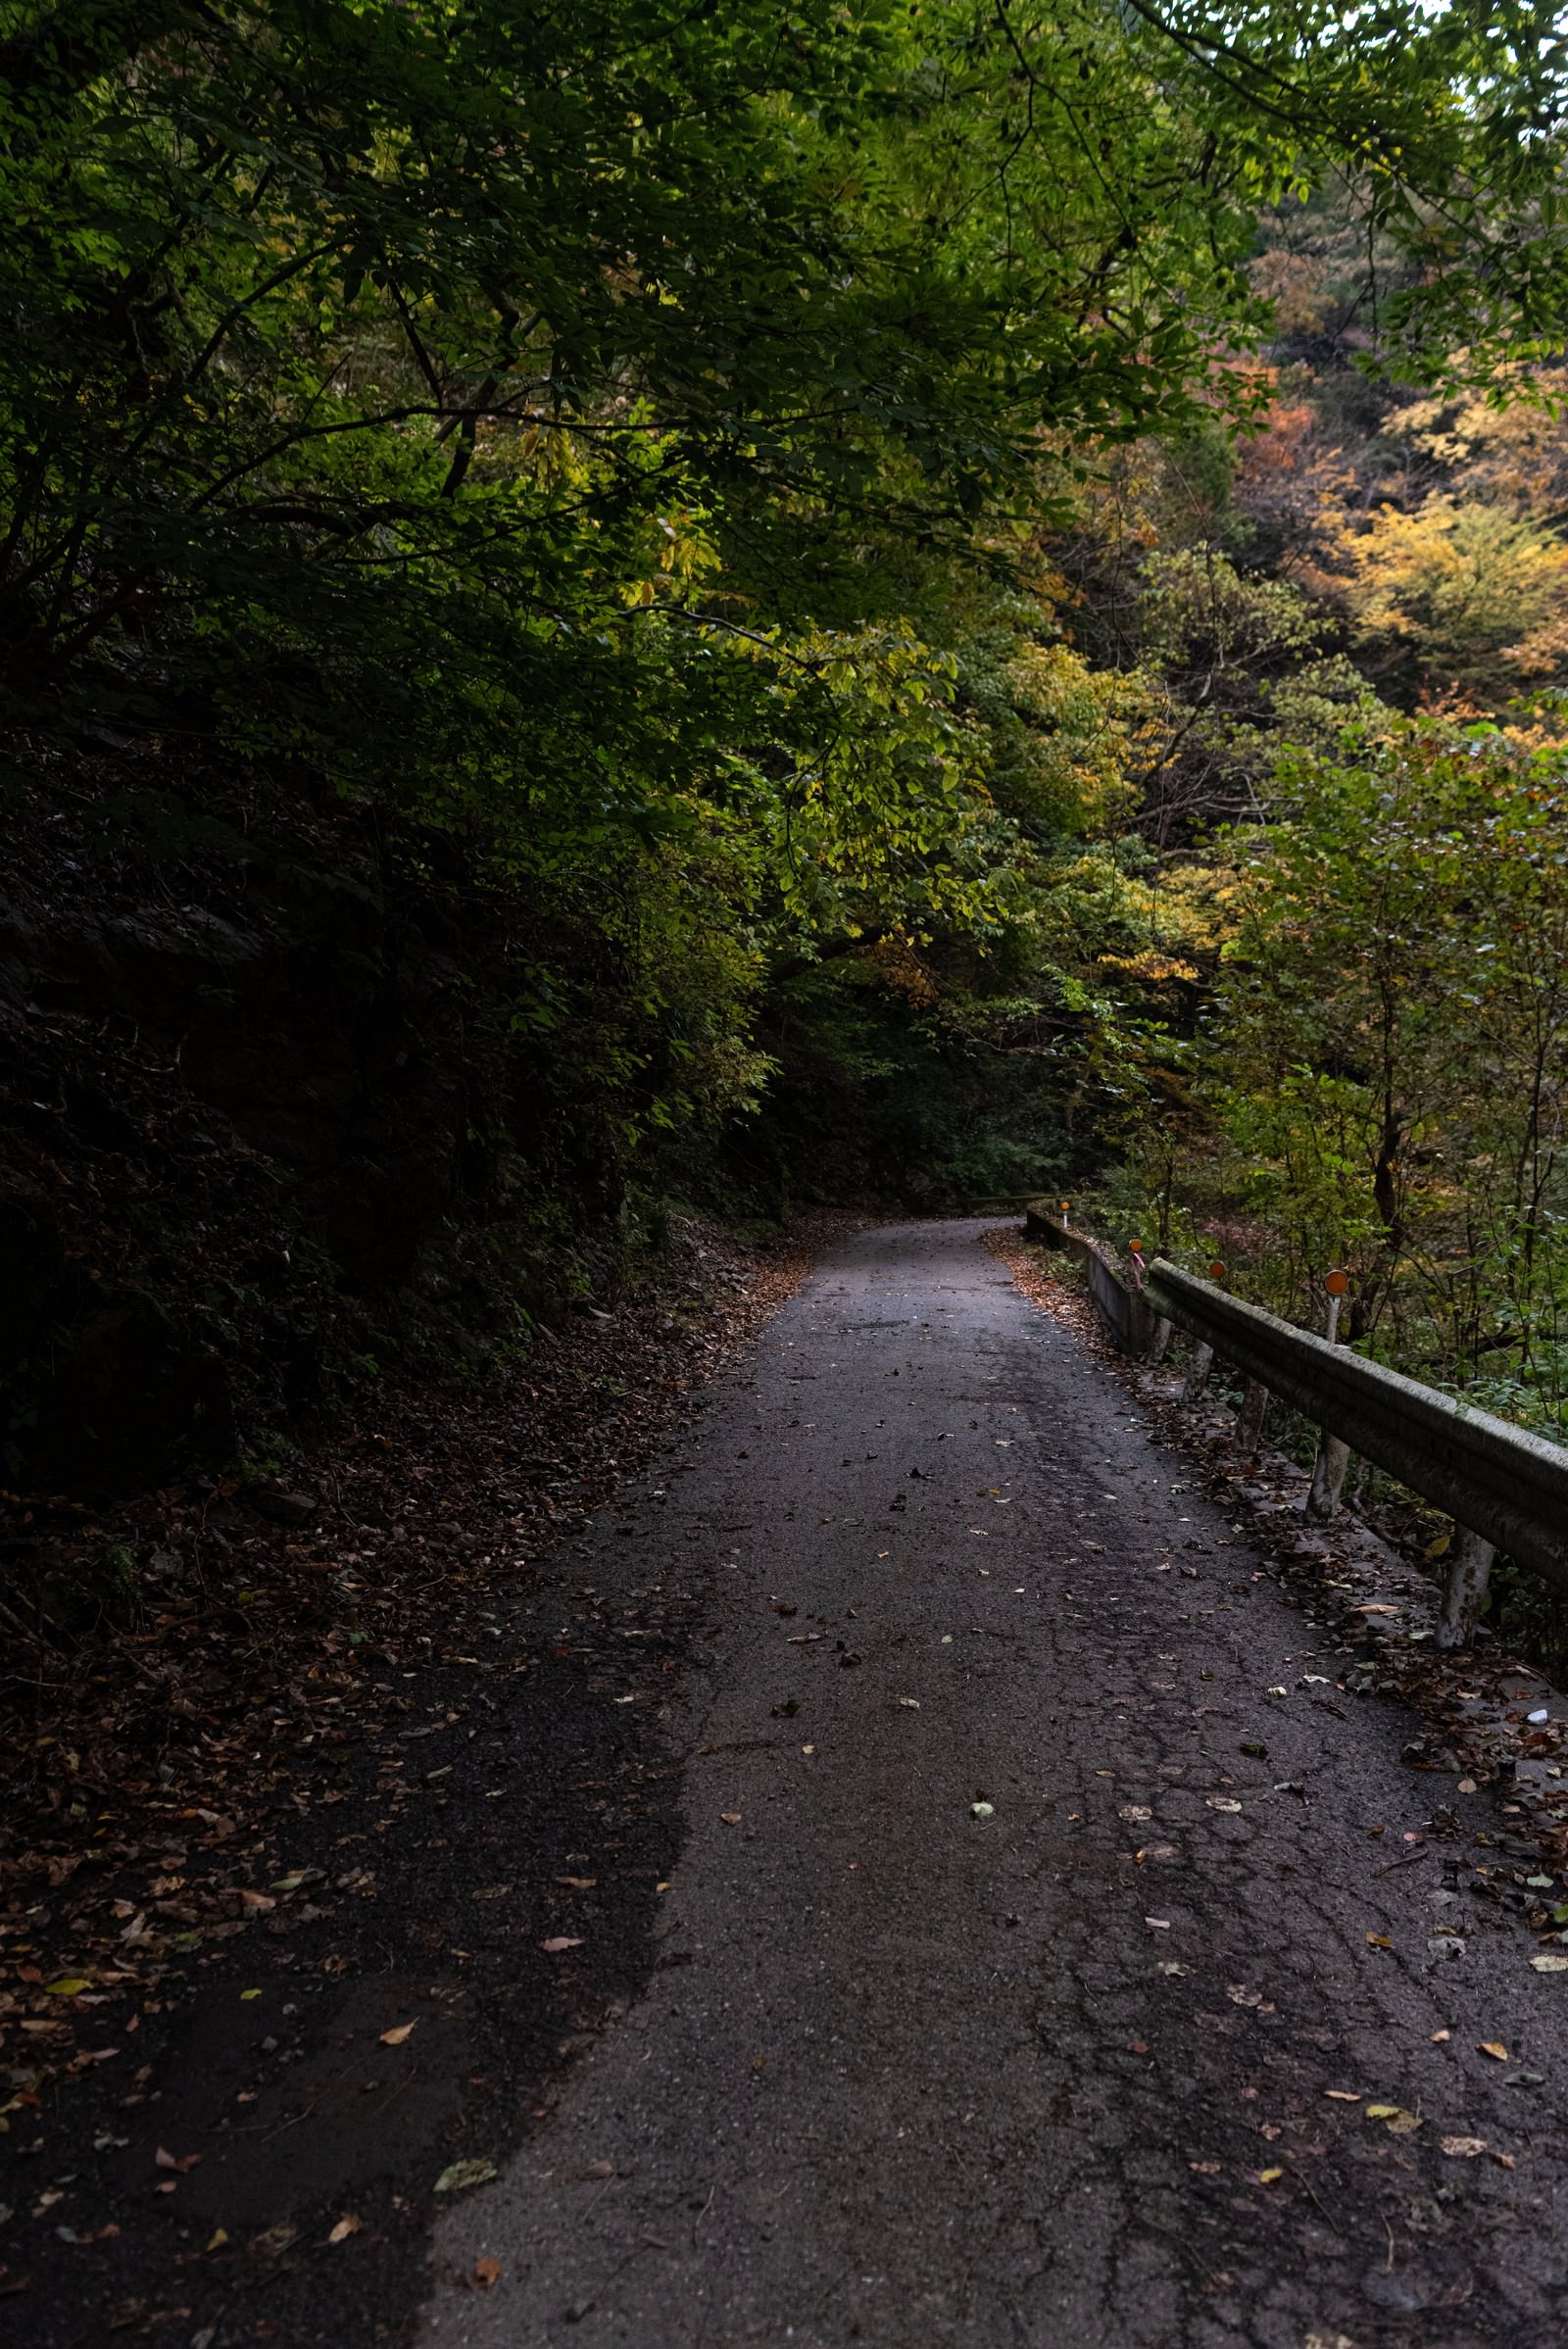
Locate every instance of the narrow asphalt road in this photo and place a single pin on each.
(1075, 2066)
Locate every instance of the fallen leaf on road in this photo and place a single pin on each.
(1375, 1606)
(1440, 2038)
(578, 1884)
(982, 1810)
(1206, 2169)
(1159, 1925)
(69, 1986)
(1379, 1942)
(1463, 2149)
(1396, 2119)
(1134, 1810)
(560, 1942)
(396, 2037)
(347, 2225)
(1551, 1964)
(910, 1704)
(461, 2174)
(162, 2159)
(486, 2272)
(1495, 2048)
(1221, 1802)
(1345, 2095)
(257, 1901)
(1267, 2177)
(730, 1818)
(274, 2241)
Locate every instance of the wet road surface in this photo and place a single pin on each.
(1058, 2071)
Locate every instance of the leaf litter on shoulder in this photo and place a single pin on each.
(276, 1644)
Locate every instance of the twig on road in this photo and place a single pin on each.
(1405, 1860)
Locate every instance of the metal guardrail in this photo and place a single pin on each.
(1122, 1309)
(1500, 1482)
(1505, 1488)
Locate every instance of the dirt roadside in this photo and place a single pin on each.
(235, 1872)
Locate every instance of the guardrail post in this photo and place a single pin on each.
(1252, 1417)
(1328, 1476)
(1332, 1455)
(1203, 1361)
(1469, 1572)
(1157, 1328)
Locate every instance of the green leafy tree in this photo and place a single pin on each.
(1389, 1046)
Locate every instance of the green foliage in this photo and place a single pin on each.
(1386, 1055)
(1445, 123)
(623, 446)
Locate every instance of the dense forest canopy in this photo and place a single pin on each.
(978, 590)
(636, 633)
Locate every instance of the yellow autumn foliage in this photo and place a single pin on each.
(1087, 738)
(1476, 595)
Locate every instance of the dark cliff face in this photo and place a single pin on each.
(265, 1108)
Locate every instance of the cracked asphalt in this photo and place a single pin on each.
(1074, 2068)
